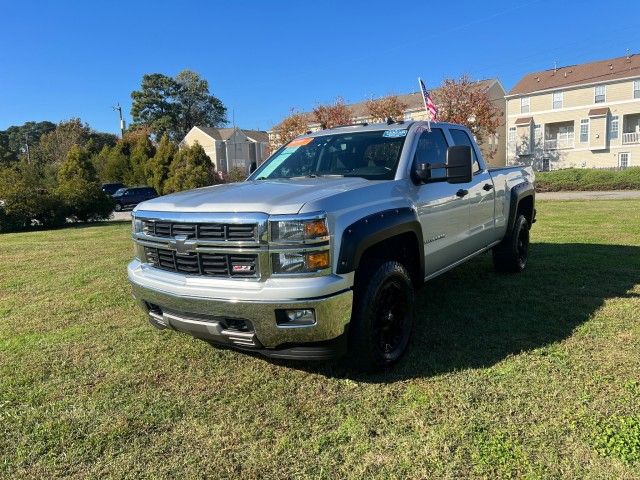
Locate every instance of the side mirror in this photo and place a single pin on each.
(459, 164)
(421, 172)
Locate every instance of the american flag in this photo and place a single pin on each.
(431, 108)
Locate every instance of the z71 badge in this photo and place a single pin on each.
(241, 268)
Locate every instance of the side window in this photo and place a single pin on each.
(460, 137)
(432, 148)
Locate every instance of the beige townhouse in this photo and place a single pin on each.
(493, 148)
(584, 116)
(230, 148)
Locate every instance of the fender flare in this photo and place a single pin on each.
(373, 229)
(518, 193)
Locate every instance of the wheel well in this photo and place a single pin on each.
(525, 207)
(403, 248)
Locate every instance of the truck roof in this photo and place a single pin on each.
(371, 127)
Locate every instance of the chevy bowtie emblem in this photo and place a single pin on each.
(181, 245)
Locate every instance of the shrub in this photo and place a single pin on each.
(79, 190)
(588, 179)
(236, 174)
(84, 201)
(24, 206)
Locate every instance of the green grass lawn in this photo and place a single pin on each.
(534, 375)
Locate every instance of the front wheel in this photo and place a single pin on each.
(383, 315)
(512, 254)
(118, 207)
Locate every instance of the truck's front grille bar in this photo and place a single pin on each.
(233, 265)
(202, 231)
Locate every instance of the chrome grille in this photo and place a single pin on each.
(202, 231)
(207, 264)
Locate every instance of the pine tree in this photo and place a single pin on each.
(77, 165)
(141, 152)
(191, 168)
(158, 166)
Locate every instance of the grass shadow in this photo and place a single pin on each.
(472, 317)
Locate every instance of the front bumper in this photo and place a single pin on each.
(202, 313)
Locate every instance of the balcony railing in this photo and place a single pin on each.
(558, 143)
(631, 137)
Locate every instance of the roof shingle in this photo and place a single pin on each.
(575, 75)
(226, 133)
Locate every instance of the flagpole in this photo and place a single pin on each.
(424, 101)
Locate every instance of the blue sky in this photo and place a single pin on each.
(65, 59)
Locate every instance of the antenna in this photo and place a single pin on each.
(118, 109)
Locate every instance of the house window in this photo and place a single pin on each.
(512, 135)
(600, 93)
(584, 130)
(636, 89)
(557, 100)
(614, 128)
(624, 159)
(537, 136)
(524, 104)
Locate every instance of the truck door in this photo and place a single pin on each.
(443, 213)
(482, 196)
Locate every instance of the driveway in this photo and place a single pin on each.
(120, 217)
(604, 195)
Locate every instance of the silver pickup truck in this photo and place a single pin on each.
(320, 250)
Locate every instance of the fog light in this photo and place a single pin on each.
(296, 318)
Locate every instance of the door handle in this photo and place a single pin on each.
(487, 187)
(462, 192)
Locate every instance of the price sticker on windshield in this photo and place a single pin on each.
(299, 142)
(397, 133)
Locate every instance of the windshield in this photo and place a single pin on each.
(372, 155)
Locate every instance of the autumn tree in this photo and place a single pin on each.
(468, 103)
(331, 115)
(386, 107)
(191, 168)
(55, 144)
(291, 127)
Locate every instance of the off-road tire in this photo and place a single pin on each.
(382, 316)
(511, 255)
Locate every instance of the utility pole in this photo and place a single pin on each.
(118, 109)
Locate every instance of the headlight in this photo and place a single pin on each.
(136, 224)
(301, 230)
(300, 262)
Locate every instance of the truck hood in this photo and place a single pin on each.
(279, 196)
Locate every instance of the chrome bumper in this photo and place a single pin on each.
(208, 317)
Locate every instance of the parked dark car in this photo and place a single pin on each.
(111, 188)
(130, 197)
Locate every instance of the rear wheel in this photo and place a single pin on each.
(118, 207)
(383, 315)
(512, 254)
